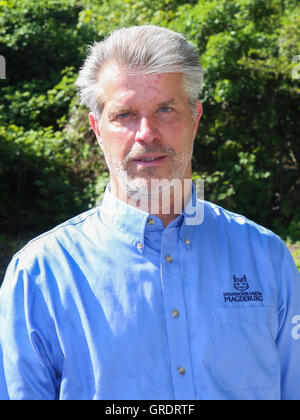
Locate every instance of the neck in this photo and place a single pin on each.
(165, 200)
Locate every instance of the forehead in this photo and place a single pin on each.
(122, 86)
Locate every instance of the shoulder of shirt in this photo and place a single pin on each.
(238, 222)
(57, 231)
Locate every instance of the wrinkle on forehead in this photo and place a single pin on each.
(122, 76)
(121, 88)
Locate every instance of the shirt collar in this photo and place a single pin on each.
(128, 220)
(131, 222)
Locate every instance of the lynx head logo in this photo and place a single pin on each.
(240, 283)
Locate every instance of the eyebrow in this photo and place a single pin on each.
(119, 110)
(167, 102)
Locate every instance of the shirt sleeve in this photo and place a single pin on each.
(288, 339)
(27, 369)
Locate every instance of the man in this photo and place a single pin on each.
(138, 299)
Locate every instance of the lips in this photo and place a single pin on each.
(149, 160)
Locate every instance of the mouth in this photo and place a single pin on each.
(150, 160)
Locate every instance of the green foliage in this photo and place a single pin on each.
(247, 149)
(37, 187)
(296, 256)
(31, 108)
(39, 38)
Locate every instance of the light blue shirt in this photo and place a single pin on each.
(112, 305)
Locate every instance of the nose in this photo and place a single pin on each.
(147, 131)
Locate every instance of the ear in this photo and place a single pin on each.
(197, 117)
(95, 126)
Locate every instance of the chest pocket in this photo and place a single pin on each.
(245, 350)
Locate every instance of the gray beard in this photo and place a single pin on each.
(146, 185)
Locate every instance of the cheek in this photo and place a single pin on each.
(116, 134)
(116, 143)
(180, 136)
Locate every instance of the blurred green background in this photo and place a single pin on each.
(247, 150)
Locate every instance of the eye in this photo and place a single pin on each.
(165, 109)
(124, 115)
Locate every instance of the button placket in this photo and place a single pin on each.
(176, 319)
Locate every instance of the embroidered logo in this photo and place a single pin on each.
(243, 294)
(240, 283)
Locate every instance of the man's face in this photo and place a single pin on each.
(147, 129)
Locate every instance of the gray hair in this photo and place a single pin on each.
(146, 49)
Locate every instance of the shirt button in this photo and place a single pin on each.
(175, 313)
(169, 259)
(150, 221)
(181, 370)
(139, 246)
(187, 241)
